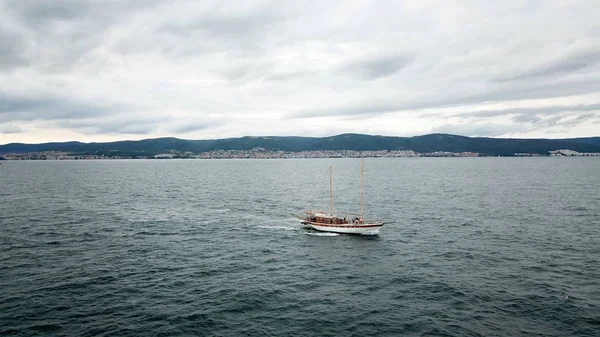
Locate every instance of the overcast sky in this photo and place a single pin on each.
(103, 70)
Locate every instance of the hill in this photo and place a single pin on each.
(357, 142)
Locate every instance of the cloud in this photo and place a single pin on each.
(439, 100)
(494, 121)
(97, 69)
(220, 22)
(542, 116)
(563, 65)
(195, 124)
(527, 118)
(56, 36)
(42, 107)
(10, 128)
(121, 124)
(13, 48)
(44, 10)
(377, 67)
(542, 110)
(480, 130)
(190, 128)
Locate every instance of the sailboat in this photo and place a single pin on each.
(328, 222)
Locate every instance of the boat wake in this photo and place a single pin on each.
(304, 231)
(280, 227)
(322, 234)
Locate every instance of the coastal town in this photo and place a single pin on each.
(261, 153)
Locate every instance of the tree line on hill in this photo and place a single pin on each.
(357, 142)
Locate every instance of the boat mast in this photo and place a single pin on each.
(330, 190)
(362, 187)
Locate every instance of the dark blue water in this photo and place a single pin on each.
(479, 247)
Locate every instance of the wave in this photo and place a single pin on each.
(147, 220)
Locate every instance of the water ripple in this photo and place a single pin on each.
(486, 247)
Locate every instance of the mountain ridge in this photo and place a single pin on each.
(346, 141)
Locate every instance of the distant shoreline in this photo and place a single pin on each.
(340, 146)
(235, 154)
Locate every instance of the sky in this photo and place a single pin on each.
(105, 70)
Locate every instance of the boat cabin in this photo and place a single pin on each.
(324, 218)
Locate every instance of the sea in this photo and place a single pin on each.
(472, 247)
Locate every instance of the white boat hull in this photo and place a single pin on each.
(363, 229)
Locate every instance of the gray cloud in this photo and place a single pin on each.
(123, 124)
(36, 11)
(565, 115)
(137, 125)
(185, 128)
(479, 130)
(216, 28)
(10, 104)
(10, 128)
(283, 77)
(19, 108)
(438, 100)
(154, 68)
(13, 49)
(378, 67)
(56, 36)
(190, 128)
(216, 22)
(39, 12)
(563, 65)
(526, 118)
(547, 110)
(580, 119)
(131, 129)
